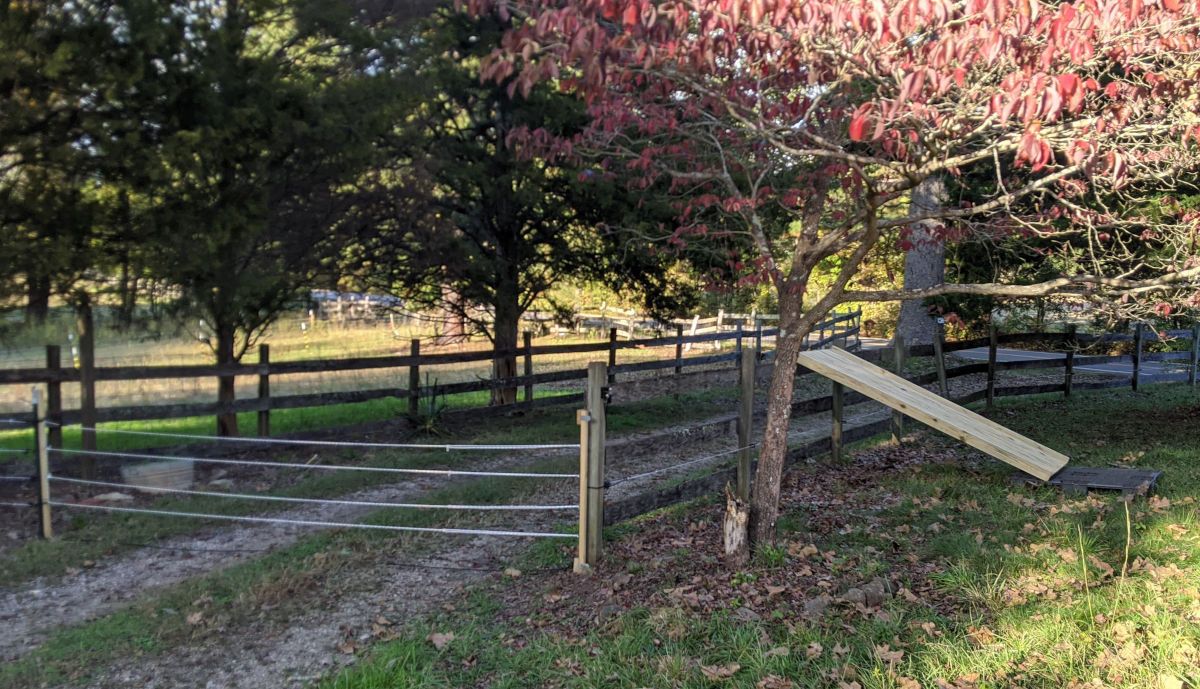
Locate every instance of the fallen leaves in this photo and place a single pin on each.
(440, 640)
(720, 672)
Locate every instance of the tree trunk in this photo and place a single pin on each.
(227, 424)
(128, 294)
(925, 262)
(37, 308)
(764, 500)
(504, 337)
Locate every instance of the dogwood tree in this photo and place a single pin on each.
(803, 125)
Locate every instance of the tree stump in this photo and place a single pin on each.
(737, 527)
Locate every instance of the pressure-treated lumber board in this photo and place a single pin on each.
(982, 434)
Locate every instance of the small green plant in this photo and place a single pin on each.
(429, 420)
(771, 556)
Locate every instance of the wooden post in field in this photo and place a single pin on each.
(612, 355)
(835, 433)
(720, 324)
(1138, 334)
(1068, 373)
(46, 527)
(692, 333)
(740, 335)
(54, 394)
(745, 422)
(939, 336)
(264, 391)
(583, 553)
(897, 418)
(1195, 355)
(527, 344)
(85, 324)
(758, 328)
(678, 350)
(991, 367)
(591, 468)
(414, 380)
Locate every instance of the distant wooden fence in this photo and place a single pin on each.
(54, 376)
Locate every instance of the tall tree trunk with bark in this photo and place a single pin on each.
(505, 333)
(37, 305)
(764, 498)
(925, 262)
(227, 423)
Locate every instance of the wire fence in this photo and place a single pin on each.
(315, 501)
(680, 465)
(450, 447)
(310, 522)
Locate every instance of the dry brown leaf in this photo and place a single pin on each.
(195, 618)
(774, 682)
(814, 650)
(719, 672)
(777, 651)
(440, 640)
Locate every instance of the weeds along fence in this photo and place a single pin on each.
(592, 510)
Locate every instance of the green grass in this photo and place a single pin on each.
(1005, 586)
(92, 535)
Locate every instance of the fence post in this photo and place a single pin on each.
(740, 335)
(46, 527)
(897, 418)
(939, 335)
(85, 324)
(720, 322)
(758, 328)
(1195, 355)
(991, 367)
(591, 477)
(745, 422)
(1068, 373)
(54, 394)
(527, 343)
(678, 349)
(1137, 356)
(835, 433)
(612, 355)
(264, 391)
(414, 380)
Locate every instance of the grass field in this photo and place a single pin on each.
(927, 568)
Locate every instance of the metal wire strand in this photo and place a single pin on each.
(335, 443)
(14, 451)
(22, 479)
(673, 467)
(316, 501)
(305, 522)
(15, 422)
(17, 504)
(319, 467)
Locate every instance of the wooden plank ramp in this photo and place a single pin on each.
(918, 403)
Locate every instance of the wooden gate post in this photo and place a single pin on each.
(1195, 355)
(939, 336)
(1137, 356)
(527, 344)
(758, 328)
(897, 418)
(414, 380)
(54, 394)
(1068, 373)
(745, 422)
(46, 527)
(678, 350)
(591, 470)
(835, 433)
(264, 391)
(85, 324)
(991, 367)
(612, 355)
